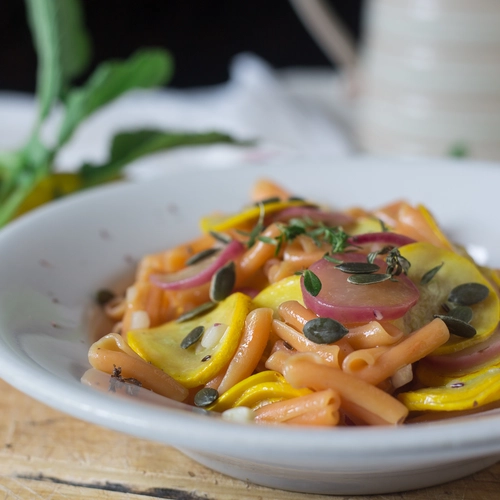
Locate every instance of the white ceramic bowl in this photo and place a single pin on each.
(53, 260)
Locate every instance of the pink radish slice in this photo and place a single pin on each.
(200, 273)
(384, 238)
(331, 218)
(349, 303)
(470, 357)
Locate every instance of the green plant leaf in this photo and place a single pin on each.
(145, 69)
(62, 45)
(128, 146)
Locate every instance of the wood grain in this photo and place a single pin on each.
(45, 454)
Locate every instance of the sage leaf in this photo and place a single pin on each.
(129, 146)
(62, 45)
(146, 68)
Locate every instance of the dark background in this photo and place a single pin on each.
(203, 35)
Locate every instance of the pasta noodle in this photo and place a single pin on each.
(285, 315)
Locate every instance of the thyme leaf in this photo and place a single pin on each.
(311, 282)
(427, 277)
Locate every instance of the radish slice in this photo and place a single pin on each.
(384, 238)
(200, 273)
(468, 358)
(331, 218)
(350, 303)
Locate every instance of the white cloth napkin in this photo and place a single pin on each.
(289, 114)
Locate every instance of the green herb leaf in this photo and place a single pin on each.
(258, 228)
(383, 227)
(62, 45)
(129, 146)
(427, 277)
(311, 282)
(331, 259)
(144, 69)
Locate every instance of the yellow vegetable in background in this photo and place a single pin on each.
(50, 188)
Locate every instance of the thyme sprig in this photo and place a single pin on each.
(319, 232)
(396, 263)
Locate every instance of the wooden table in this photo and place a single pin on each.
(45, 454)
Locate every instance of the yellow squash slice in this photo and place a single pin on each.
(456, 270)
(225, 222)
(196, 365)
(257, 390)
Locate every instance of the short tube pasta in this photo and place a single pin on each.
(372, 405)
(416, 346)
(329, 354)
(373, 334)
(112, 352)
(283, 411)
(252, 345)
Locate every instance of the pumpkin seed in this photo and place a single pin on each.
(192, 337)
(357, 267)
(463, 313)
(457, 326)
(205, 307)
(427, 277)
(324, 330)
(368, 279)
(223, 282)
(104, 296)
(205, 397)
(204, 254)
(468, 294)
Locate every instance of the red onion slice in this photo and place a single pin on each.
(198, 274)
(331, 218)
(384, 238)
(350, 303)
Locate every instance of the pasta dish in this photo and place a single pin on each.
(289, 312)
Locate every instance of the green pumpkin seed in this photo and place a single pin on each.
(222, 283)
(204, 254)
(427, 277)
(462, 313)
(468, 294)
(104, 296)
(205, 397)
(457, 326)
(192, 337)
(324, 330)
(368, 279)
(205, 307)
(358, 267)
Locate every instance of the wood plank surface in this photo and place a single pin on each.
(45, 454)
